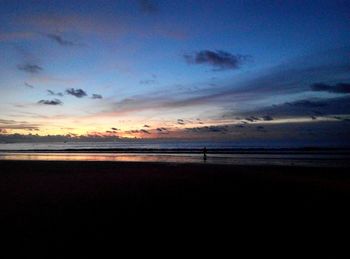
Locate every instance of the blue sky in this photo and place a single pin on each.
(186, 69)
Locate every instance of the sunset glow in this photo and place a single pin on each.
(137, 69)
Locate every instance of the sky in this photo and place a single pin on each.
(207, 70)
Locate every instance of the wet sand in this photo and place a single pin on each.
(56, 204)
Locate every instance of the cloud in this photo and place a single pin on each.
(54, 94)
(51, 102)
(17, 125)
(148, 6)
(146, 126)
(308, 107)
(28, 85)
(307, 103)
(252, 119)
(79, 93)
(292, 77)
(162, 131)
(341, 88)
(181, 122)
(114, 129)
(29, 68)
(144, 131)
(220, 60)
(267, 118)
(96, 96)
(58, 39)
(148, 82)
(210, 129)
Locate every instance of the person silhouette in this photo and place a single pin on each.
(205, 153)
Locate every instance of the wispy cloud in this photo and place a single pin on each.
(219, 60)
(79, 93)
(96, 96)
(145, 131)
(340, 88)
(51, 102)
(307, 107)
(29, 68)
(17, 125)
(28, 85)
(148, 82)
(54, 93)
(61, 41)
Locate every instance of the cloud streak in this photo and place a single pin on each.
(60, 40)
(17, 125)
(340, 88)
(54, 94)
(219, 60)
(28, 85)
(50, 102)
(29, 68)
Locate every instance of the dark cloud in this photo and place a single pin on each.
(180, 121)
(30, 68)
(341, 88)
(50, 102)
(267, 118)
(96, 96)
(54, 94)
(306, 107)
(148, 6)
(146, 126)
(79, 93)
(307, 103)
(114, 129)
(209, 129)
(145, 131)
(252, 119)
(58, 39)
(162, 130)
(28, 85)
(220, 60)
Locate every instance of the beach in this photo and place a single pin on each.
(57, 202)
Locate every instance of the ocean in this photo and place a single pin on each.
(223, 152)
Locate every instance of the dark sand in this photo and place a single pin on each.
(51, 207)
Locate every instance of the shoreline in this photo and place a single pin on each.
(304, 150)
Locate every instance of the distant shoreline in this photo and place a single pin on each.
(304, 150)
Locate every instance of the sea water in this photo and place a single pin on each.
(220, 152)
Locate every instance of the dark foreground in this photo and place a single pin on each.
(52, 208)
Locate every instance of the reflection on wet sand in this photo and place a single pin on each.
(101, 157)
